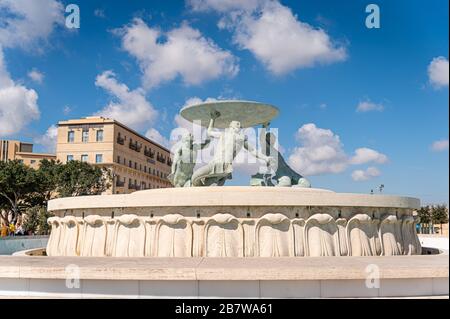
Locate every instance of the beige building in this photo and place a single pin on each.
(16, 150)
(135, 161)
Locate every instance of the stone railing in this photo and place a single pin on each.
(224, 235)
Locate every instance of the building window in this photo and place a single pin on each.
(118, 159)
(69, 158)
(32, 161)
(99, 158)
(130, 164)
(84, 158)
(100, 136)
(124, 161)
(85, 136)
(70, 136)
(120, 139)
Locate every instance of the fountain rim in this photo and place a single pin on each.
(234, 196)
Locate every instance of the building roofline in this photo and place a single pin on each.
(113, 121)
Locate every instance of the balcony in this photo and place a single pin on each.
(149, 153)
(120, 140)
(135, 146)
(161, 159)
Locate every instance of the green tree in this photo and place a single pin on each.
(22, 187)
(17, 184)
(79, 178)
(425, 215)
(47, 178)
(439, 215)
(36, 221)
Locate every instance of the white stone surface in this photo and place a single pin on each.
(284, 277)
(289, 289)
(224, 235)
(50, 288)
(441, 243)
(232, 196)
(406, 287)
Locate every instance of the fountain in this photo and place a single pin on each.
(280, 215)
(278, 237)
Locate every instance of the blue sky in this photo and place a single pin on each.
(359, 107)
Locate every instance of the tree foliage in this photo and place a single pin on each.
(80, 178)
(17, 186)
(36, 221)
(424, 214)
(433, 214)
(439, 214)
(22, 187)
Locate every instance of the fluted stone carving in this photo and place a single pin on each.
(110, 231)
(274, 236)
(390, 236)
(94, 236)
(298, 225)
(411, 243)
(321, 236)
(225, 235)
(362, 236)
(129, 237)
(55, 237)
(70, 231)
(341, 226)
(173, 237)
(150, 227)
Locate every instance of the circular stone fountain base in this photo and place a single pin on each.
(233, 222)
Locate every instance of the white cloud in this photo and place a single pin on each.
(365, 155)
(157, 137)
(367, 106)
(36, 76)
(322, 152)
(48, 140)
(438, 72)
(184, 125)
(275, 35)
(24, 22)
(18, 104)
(184, 53)
(223, 6)
(440, 146)
(364, 175)
(128, 106)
